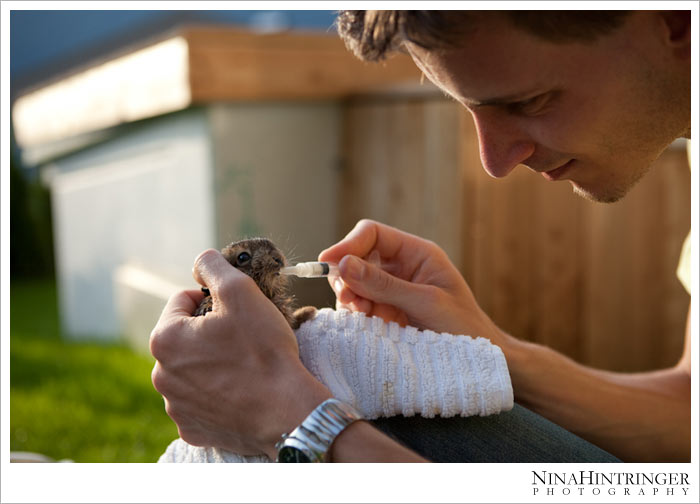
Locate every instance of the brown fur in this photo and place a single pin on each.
(261, 260)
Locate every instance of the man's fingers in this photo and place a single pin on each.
(362, 305)
(359, 242)
(370, 237)
(368, 281)
(177, 312)
(182, 304)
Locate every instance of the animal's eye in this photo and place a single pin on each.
(243, 258)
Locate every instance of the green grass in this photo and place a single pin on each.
(87, 402)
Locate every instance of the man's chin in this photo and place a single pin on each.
(611, 189)
(598, 196)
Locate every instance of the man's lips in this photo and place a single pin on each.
(558, 173)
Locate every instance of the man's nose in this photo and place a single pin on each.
(502, 144)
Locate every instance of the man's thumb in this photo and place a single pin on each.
(371, 282)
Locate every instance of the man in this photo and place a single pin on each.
(592, 98)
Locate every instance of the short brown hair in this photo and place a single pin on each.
(372, 35)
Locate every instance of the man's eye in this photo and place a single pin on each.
(531, 105)
(243, 258)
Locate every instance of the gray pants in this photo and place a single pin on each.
(518, 435)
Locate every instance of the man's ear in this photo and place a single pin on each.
(676, 26)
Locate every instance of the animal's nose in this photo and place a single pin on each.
(279, 262)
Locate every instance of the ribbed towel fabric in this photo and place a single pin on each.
(385, 370)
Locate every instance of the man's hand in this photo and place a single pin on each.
(414, 284)
(232, 378)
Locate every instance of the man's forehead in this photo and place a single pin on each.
(488, 76)
(497, 63)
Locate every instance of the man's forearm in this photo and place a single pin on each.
(361, 442)
(641, 417)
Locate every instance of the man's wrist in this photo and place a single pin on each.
(306, 396)
(496, 336)
(310, 441)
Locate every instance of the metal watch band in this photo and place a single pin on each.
(318, 431)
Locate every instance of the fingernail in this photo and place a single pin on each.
(374, 257)
(338, 285)
(356, 268)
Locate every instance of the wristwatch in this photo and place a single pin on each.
(311, 440)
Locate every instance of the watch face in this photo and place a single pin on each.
(290, 454)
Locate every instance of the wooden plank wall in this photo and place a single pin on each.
(228, 64)
(401, 166)
(594, 281)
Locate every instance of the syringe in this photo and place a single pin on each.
(311, 269)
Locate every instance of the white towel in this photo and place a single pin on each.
(384, 370)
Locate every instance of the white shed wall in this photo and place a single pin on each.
(142, 199)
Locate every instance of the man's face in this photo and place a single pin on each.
(596, 114)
